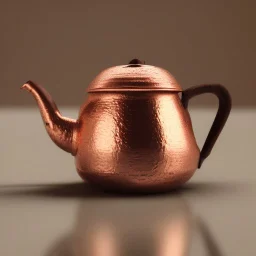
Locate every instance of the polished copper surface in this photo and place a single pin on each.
(133, 132)
(136, 76)
(136, 140)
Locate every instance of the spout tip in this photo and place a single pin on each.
(23, 86)
(27, 85)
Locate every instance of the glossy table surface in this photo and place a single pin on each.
(45, 209)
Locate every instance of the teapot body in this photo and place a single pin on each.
(135, 141)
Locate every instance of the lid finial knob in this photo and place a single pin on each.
(136, 61)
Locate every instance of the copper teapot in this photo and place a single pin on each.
(134, 132)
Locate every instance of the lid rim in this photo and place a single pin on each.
(153, 89)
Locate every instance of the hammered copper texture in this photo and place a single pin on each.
(135, 141)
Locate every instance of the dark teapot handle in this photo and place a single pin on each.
(220, 118)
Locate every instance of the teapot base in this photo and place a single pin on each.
(118, 184)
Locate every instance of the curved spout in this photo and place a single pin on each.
(62, 130)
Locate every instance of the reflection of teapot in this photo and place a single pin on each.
(133, 132)
(130, 226)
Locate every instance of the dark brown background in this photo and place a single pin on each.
(63, 45)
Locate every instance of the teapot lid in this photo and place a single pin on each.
(136, 76)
